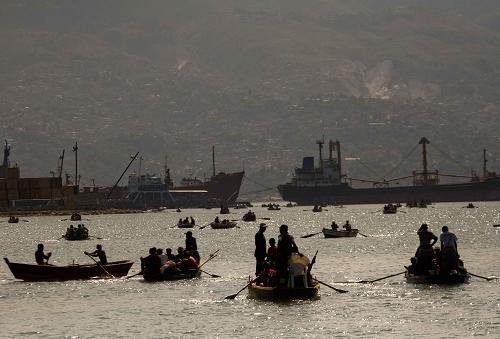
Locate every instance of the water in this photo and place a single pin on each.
(125, 308)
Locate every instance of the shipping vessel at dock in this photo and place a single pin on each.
(223, 188)
(326, 184)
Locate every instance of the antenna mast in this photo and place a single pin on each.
(485, 172)
(320, 147)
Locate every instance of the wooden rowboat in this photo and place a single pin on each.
(29, 272)
(75, 237)
(249, 217)
(282, 293)
(450, 279)
(330, 233)
(185, 225)
(193, 273)
(222, 225)
(76, 217)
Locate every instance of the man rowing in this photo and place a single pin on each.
(99, 253)
(286, 246)
(425, 252)
(40, 257)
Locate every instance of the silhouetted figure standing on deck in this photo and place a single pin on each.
(260, 249)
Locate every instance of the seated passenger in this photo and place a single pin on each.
(151, 264)
(169, 254)
(40, 257)
(335, 227)
(163, 257)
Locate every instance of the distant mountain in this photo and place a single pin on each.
(259, 79)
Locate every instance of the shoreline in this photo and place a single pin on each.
(69, 212)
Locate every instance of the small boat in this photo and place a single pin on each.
(29, 272)
(76, 237)
(282, 293)
(249, 216)
(317, 209)
(273, 207)
(224, 210)
(441, 279)
(390, 209)
(190, 274)
(185, 225)
(290, 204)
(330, 233)
(13, 220)
(470, 205)
(222, 225)
(75, 217)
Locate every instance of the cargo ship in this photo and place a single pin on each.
(326, 184)
(223, 188)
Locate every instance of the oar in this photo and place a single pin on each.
(372, 281)
(485, 278)
(232, 296)
(92, 236)
(212, 275)
(267, 218)
(133, 275)
(210, 257)
(202, 227)
(362, 234)
(333, 288)
(497, 225)
(310, 235)
(100, 266)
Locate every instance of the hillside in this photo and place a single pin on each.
(261, 80)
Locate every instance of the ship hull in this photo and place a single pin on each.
(487, 190)
(222, 188)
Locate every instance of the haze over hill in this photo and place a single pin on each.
(260, 80)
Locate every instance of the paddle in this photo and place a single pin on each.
(202, 227)
(210, 257)
(372, 281)
(91, 236)
(485, 278)
(232, 296)
(362, 234)
(212, 275)
(267, 218)
(310, 235)
(496, 225)
(100, 266)
(133, 275)
(333, 288)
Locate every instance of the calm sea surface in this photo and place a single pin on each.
(196, 308)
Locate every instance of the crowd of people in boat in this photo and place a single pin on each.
(317, 208)
(347, 226)
(164, 265)
(443, 260)
(186, 221)
(249, 216)
(273, 264)
(418, 204)
(218, 221)
(79, 232)
(224, 210)
(390, 208)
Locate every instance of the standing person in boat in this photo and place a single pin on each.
(99, 253)
(216, 220)
(260, 249)
(449, 251)
(191, 245)
(286, 246)
(425, 253)
(40, 257)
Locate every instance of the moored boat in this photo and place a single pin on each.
(330, 233)
(29, 272)
(223, 225)
(282, 293)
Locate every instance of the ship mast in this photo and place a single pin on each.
(320, 147)
(61, 163)
(213, 160)
(485, 172)
(424, 141)
(75, 149)
(337, 143)
(167, 180)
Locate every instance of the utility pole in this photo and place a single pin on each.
(213, 161)
(61, 163)
(485, 172)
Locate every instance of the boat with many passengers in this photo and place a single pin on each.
(434, 277)
(189, 274)
(29, 272)
(222, 225)
(327, 184)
